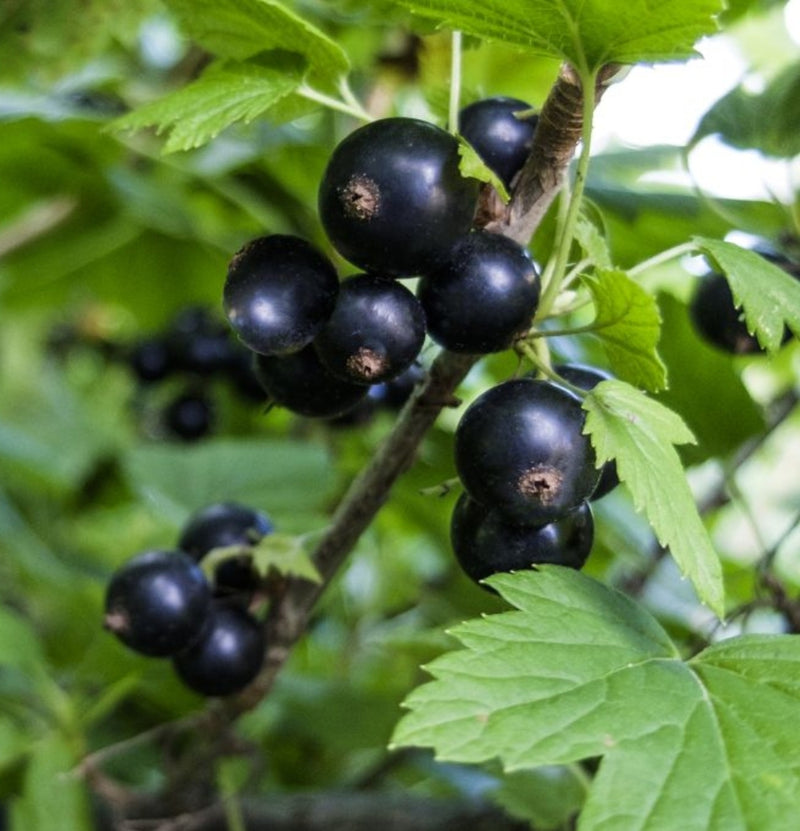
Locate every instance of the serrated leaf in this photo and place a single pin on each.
(286, 554)
(240, 29)
(224, 94)
(577, 670)
(473, 167)
(768, 121)
(769, 296)
(587, 33)
(593, 243)
(628, 322)
(639, 433)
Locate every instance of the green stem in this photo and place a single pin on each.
(543, 365)
(353, 108)
(663, 257)
(553, 286)
(455, 81)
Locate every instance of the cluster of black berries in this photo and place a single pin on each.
(529, 475)
(161, 604)
(393, 202)
(194, 349)
(715, 316)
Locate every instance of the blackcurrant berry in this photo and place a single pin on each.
(398, 390)
(189, 416)
(278, 293)
(587, 378)
(151, 360)
(716, 318)
(301, 383)
(483, 295)
(485, 543)
(157, 602)
(228, 655)
(392, 198)
(375, 332)
(218, 526)
(520, 448)
(501, 139)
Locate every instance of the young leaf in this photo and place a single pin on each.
(577, 670)
(225, 93)
(629, 324)
(587, 33)
(473, 167)
(639, 433)
(240, 29)
(286, 554)
(770, 297)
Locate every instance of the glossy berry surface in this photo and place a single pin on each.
(228, 655)
(502, 140)
(587, 378)
(485, 543)
(300, 383)
(392, 198)
(278, 293)
(483, 296)
(157, 602)
(189, 416)
(221, 525)
(519, 448)
(375, 332)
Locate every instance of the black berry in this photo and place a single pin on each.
(278, 293)
(485, 543)
(301, 383)
(520, 448)
(189, 416)
(501, 139)
(157, 602)
(227, 657)
(221, 525)
(717, 319)
(392, 198)
(151, 360)
(482, 296)
(587, 378)
(375, 332)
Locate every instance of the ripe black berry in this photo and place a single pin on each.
(228, 655)
(485, 543)
(278, 293)
(483, 295)
(157, 602)
(301, 383)
(717, 319)
(502, 140)
(218, 526)
(519, 448)
(375, 332)
(392, 198)
(189, 416)
(587, 378)
(151, 360)
(398, 390)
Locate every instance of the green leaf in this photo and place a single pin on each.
(547, 797)
(577, 670)
(768, 121)
(287, 554)
(473, 167)
(639, 433)
(225, 93)
(20, 647)
(628, 322)
(289, 479)
(593, 243)
(240, 29)
(53, 798)
(587, 33)
(769, 296)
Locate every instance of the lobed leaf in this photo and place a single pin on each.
(225, 93)
(577, 670)
(240, 29)
(769, 296)
(587, 33)
(628, 322)
(639, 434)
